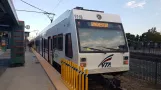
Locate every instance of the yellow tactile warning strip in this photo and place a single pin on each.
(51, 72)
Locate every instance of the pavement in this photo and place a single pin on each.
(53, 74)
(29, 77)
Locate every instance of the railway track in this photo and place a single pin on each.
(94, 83)
(103, 82)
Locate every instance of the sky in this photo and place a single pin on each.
(137, 15)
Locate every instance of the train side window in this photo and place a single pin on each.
(68, 46)
(51, 40)
(54, 42)
(60, 42)
(44, 44)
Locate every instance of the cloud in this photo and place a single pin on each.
(113, 43)
(134, 4)
(159, 29)
(156, 13)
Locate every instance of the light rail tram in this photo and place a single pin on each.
(90, 38)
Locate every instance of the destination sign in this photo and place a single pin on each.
(98, 24)
(95, 24)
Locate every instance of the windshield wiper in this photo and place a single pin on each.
(94, 49)
(108, 48)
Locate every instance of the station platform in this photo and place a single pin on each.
(36, 74)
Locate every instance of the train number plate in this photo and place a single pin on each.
(78, 16)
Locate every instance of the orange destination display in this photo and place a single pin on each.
(98, 24)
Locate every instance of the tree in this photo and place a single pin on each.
(151, 35)
(137, 38)
(130, 36)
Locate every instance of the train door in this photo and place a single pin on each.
(39, 46)
(54, 48)
(42, 46)
(58, 52)
(49, 49)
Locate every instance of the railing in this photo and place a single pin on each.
(147, 70)
(147, 47)
(74, 76)
(146, 50)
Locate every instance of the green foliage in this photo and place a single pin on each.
(137, 38)
(130, 36)
(151, 35)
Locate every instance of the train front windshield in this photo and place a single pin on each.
(100, 36)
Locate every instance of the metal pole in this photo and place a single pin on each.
(156, 71)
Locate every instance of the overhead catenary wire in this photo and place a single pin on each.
(36, 12)
(33, 6)
(57, 4)
(45, 12)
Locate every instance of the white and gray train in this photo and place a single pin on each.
(89, 38)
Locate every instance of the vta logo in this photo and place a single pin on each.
(105, 62)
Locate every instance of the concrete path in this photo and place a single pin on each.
(30, 77)
(53, 74)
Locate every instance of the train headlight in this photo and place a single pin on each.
(83, 64)
(126, 62)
